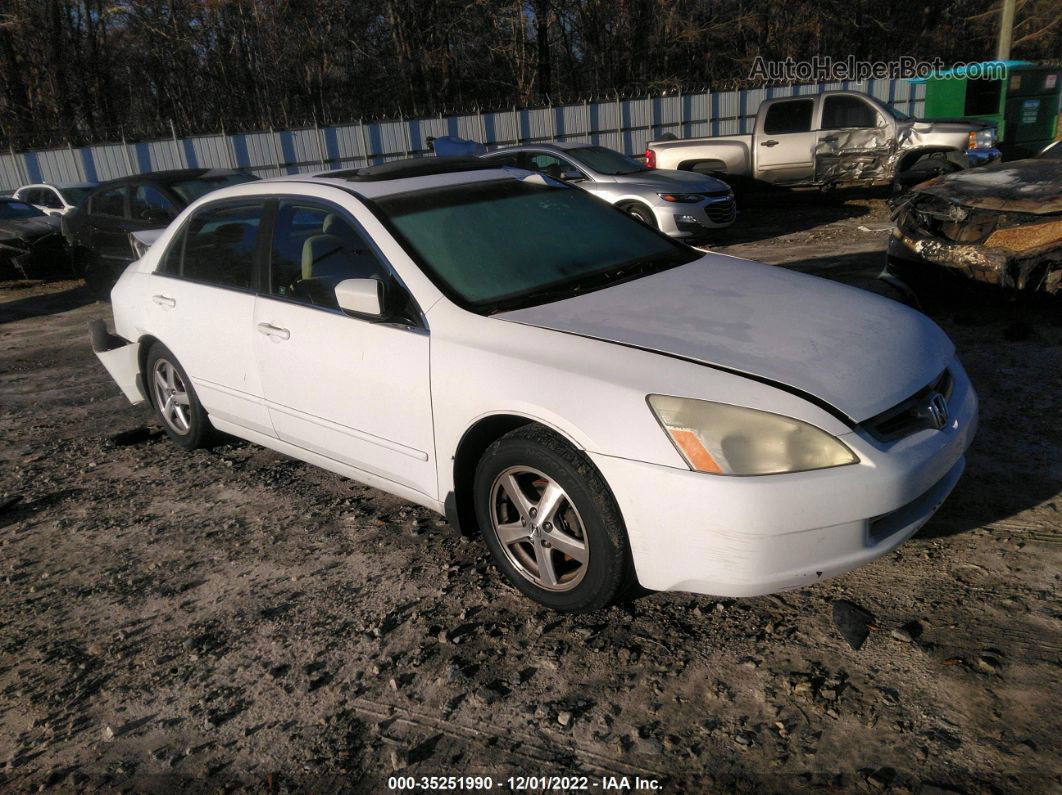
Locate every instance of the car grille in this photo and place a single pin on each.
(720, 212)
(908, 416)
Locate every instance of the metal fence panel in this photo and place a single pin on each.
(623, 124)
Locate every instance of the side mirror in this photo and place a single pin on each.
(572, 176)
(363, 297)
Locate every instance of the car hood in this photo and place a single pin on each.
(28, 229)
(1025, 186)
(856, 351)
(667, 179)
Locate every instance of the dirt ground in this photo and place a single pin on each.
(233, 619)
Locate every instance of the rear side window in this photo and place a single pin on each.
(314, 248)
(50, 199)
(793, 116)
(109, 202)
(217, 246)
(839, 113)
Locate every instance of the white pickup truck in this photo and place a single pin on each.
(830, 138)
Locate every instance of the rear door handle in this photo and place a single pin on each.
(164, 300)
(274, 331)
(769, 143)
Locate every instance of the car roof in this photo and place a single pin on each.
(558, 146)
(173, 175)
(392, 178)
(61, 185)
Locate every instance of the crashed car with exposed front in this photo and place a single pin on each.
(30, 244)
(1001, 224)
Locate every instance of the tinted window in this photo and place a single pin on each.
(13, 209)
(171, 260)
(314, 248)
(109, 202)
(510, 243)
(48, 198)
(840, 113)
(550, 165)
(75, 196)
(148, 203)
(505, 160)
(789, 117)
(219, 245)
(191, 189)
(606, 161)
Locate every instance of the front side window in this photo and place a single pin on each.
(793, 116)
(545, 163)
(314, 248)
(75, 197)
(148, 203)
(219, 245)
(50, 199)
(841, 113)
(109, 202)
(509, 243)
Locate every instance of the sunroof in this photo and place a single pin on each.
(412, 167)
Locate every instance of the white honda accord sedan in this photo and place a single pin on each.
(602, 403)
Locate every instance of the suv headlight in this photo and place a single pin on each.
(729, 440)
(982, 139)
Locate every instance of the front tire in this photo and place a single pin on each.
(642, 213)
(174, 399)
(550, 521)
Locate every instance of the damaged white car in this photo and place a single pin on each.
(603, 404)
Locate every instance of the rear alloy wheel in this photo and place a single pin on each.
(174, 400)
(642, 213)
(551, 522)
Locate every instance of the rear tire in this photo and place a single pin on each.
(174, 399)
(550, 522)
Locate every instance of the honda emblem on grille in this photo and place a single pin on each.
(937, 410)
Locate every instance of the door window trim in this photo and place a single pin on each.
(179, 238)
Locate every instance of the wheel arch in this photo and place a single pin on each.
(702, 166)
(914, 155)
(481, 434)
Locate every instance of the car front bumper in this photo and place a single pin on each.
(746, 536)
(694, 220)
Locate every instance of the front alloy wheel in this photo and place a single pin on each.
(551, 522)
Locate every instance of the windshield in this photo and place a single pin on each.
(899, 115)
(605, 161)
(75, 196)
(191, 189)
(510, 243)
(15, 210)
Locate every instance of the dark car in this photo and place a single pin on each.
(98, 230)
(30, 244)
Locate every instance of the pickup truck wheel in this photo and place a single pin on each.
(551, 522)
(174, 399)
(924, 168)
(641, 212)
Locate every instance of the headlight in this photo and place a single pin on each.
(730, 440)
(982, 139)
(681, 198)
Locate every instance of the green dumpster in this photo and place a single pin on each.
(1019, 97)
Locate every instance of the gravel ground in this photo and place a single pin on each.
(235, 619)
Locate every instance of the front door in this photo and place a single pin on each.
(202, 306)
(109, 228)
(784, 148)
(343, 387)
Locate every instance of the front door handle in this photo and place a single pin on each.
(164, 300)
(274, 331)
(772, 142)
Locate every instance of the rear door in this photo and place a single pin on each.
(786, 143)
(202, 306)
(108, 227)
(347, 388)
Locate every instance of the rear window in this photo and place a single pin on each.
(793, 116)
(489, 243)
(191, 189)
